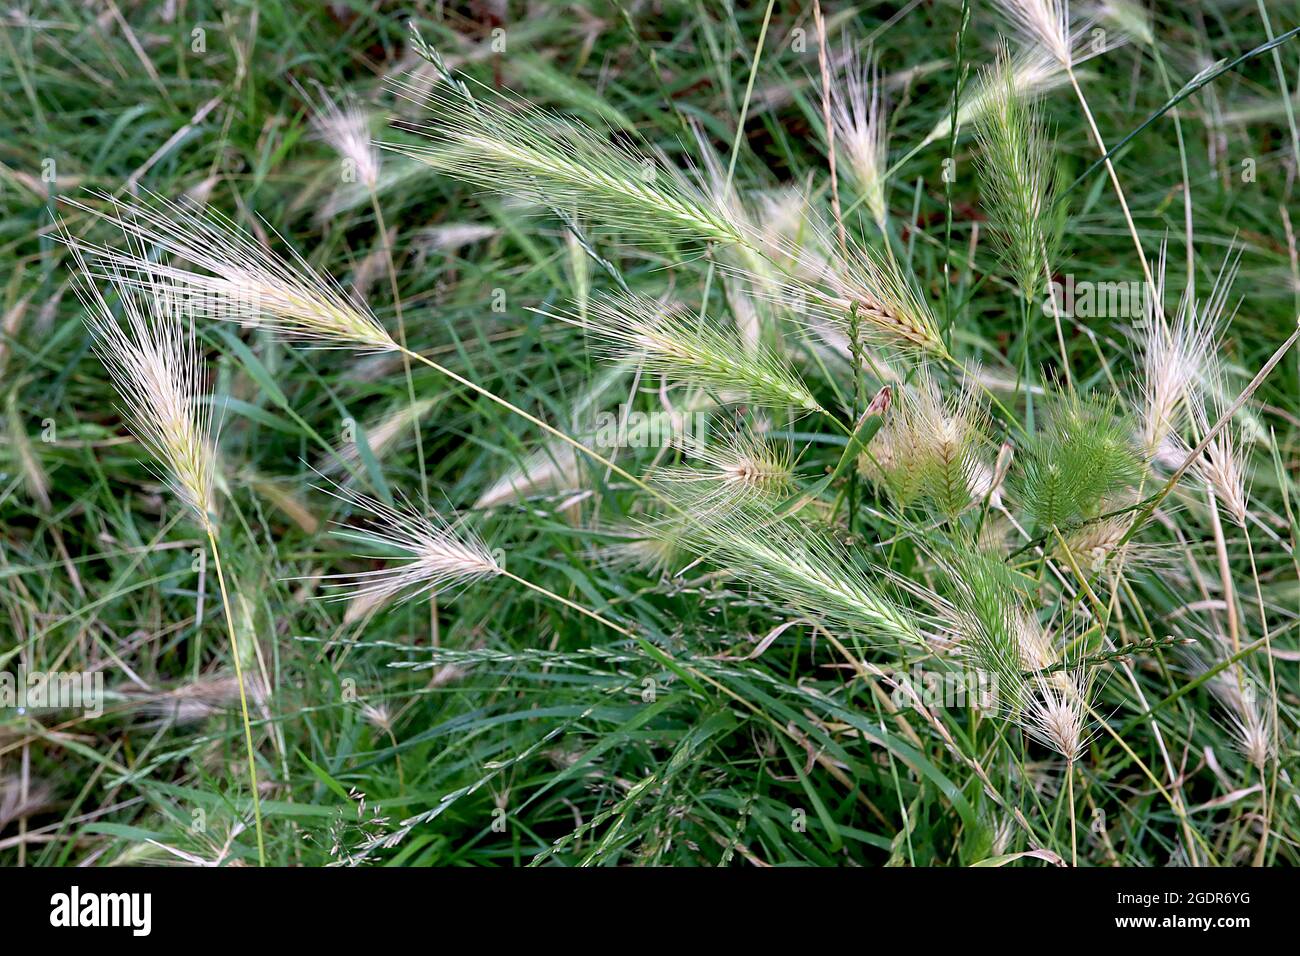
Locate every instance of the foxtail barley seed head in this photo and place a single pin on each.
(688, 348)
(744, 469)
(503, 145)
(866, 291)
(238, 279)
(859, 114)
(804, 569)
(1056, 711)
(1176, 359)
(929, 449)
(439, 556)
(1131, 17)
(1045, 23)
(553, 467)
(345, 127)
(1016, 167)
(1222, 466)
(156, 364)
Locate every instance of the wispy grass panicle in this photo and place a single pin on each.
(742, 469)
(865, 290)
(154, 359)
(343, 124)
(1056, 710)
(696, 350)
(1223, 465)
(435, 554)
(504, 145)
(233, 276)
(1176, 357)
(929, 448)
(860, 115)
(806, 570)
(1045, 23)
(1016, 167)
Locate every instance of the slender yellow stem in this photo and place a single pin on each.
(551, 595)
(243, 698)
(1074, 837)
(1114, 178)
(549, 429)
(401, 337)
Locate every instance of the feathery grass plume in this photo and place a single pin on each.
(928, 449)
(745, 468)
(1015, 162)
(1222, 466)
(860, 116)
(1129, 16)
(441, 555)
(553, 467)
(804, 569)
(1094, 543)
(653, 549)
(1252, 721)
(345, 127)
(1045, 23)
(991, 621)
(504, 145)
(866, 289)
(155, 362)
(34, 476)
(1033, 72)
(1175, 359)
(1081, 456)
(1237, 689)
(1056, 709)
(684, 347)
(380, 435)
(191, 702)
(239, 280)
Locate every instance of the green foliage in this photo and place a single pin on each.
(641, 685)
(1082, 457)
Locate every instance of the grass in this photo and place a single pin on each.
(684, 653)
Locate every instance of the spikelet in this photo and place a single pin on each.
(1045, 23)
(439, 556)
(686, 348)
(1056, 711)
(929, 449)
(553, 467)
(345, 127)
(34, 476)
(1019, 187)
(501, 144)
(1222, 466)
(864, 289)
(743, 469)
(237, 279)
(1175, 359)
(804, 569)
(380, 435)
(1237, 690)
(860, 116)
(155, 362)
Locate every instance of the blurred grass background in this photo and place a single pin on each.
(518, 733)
